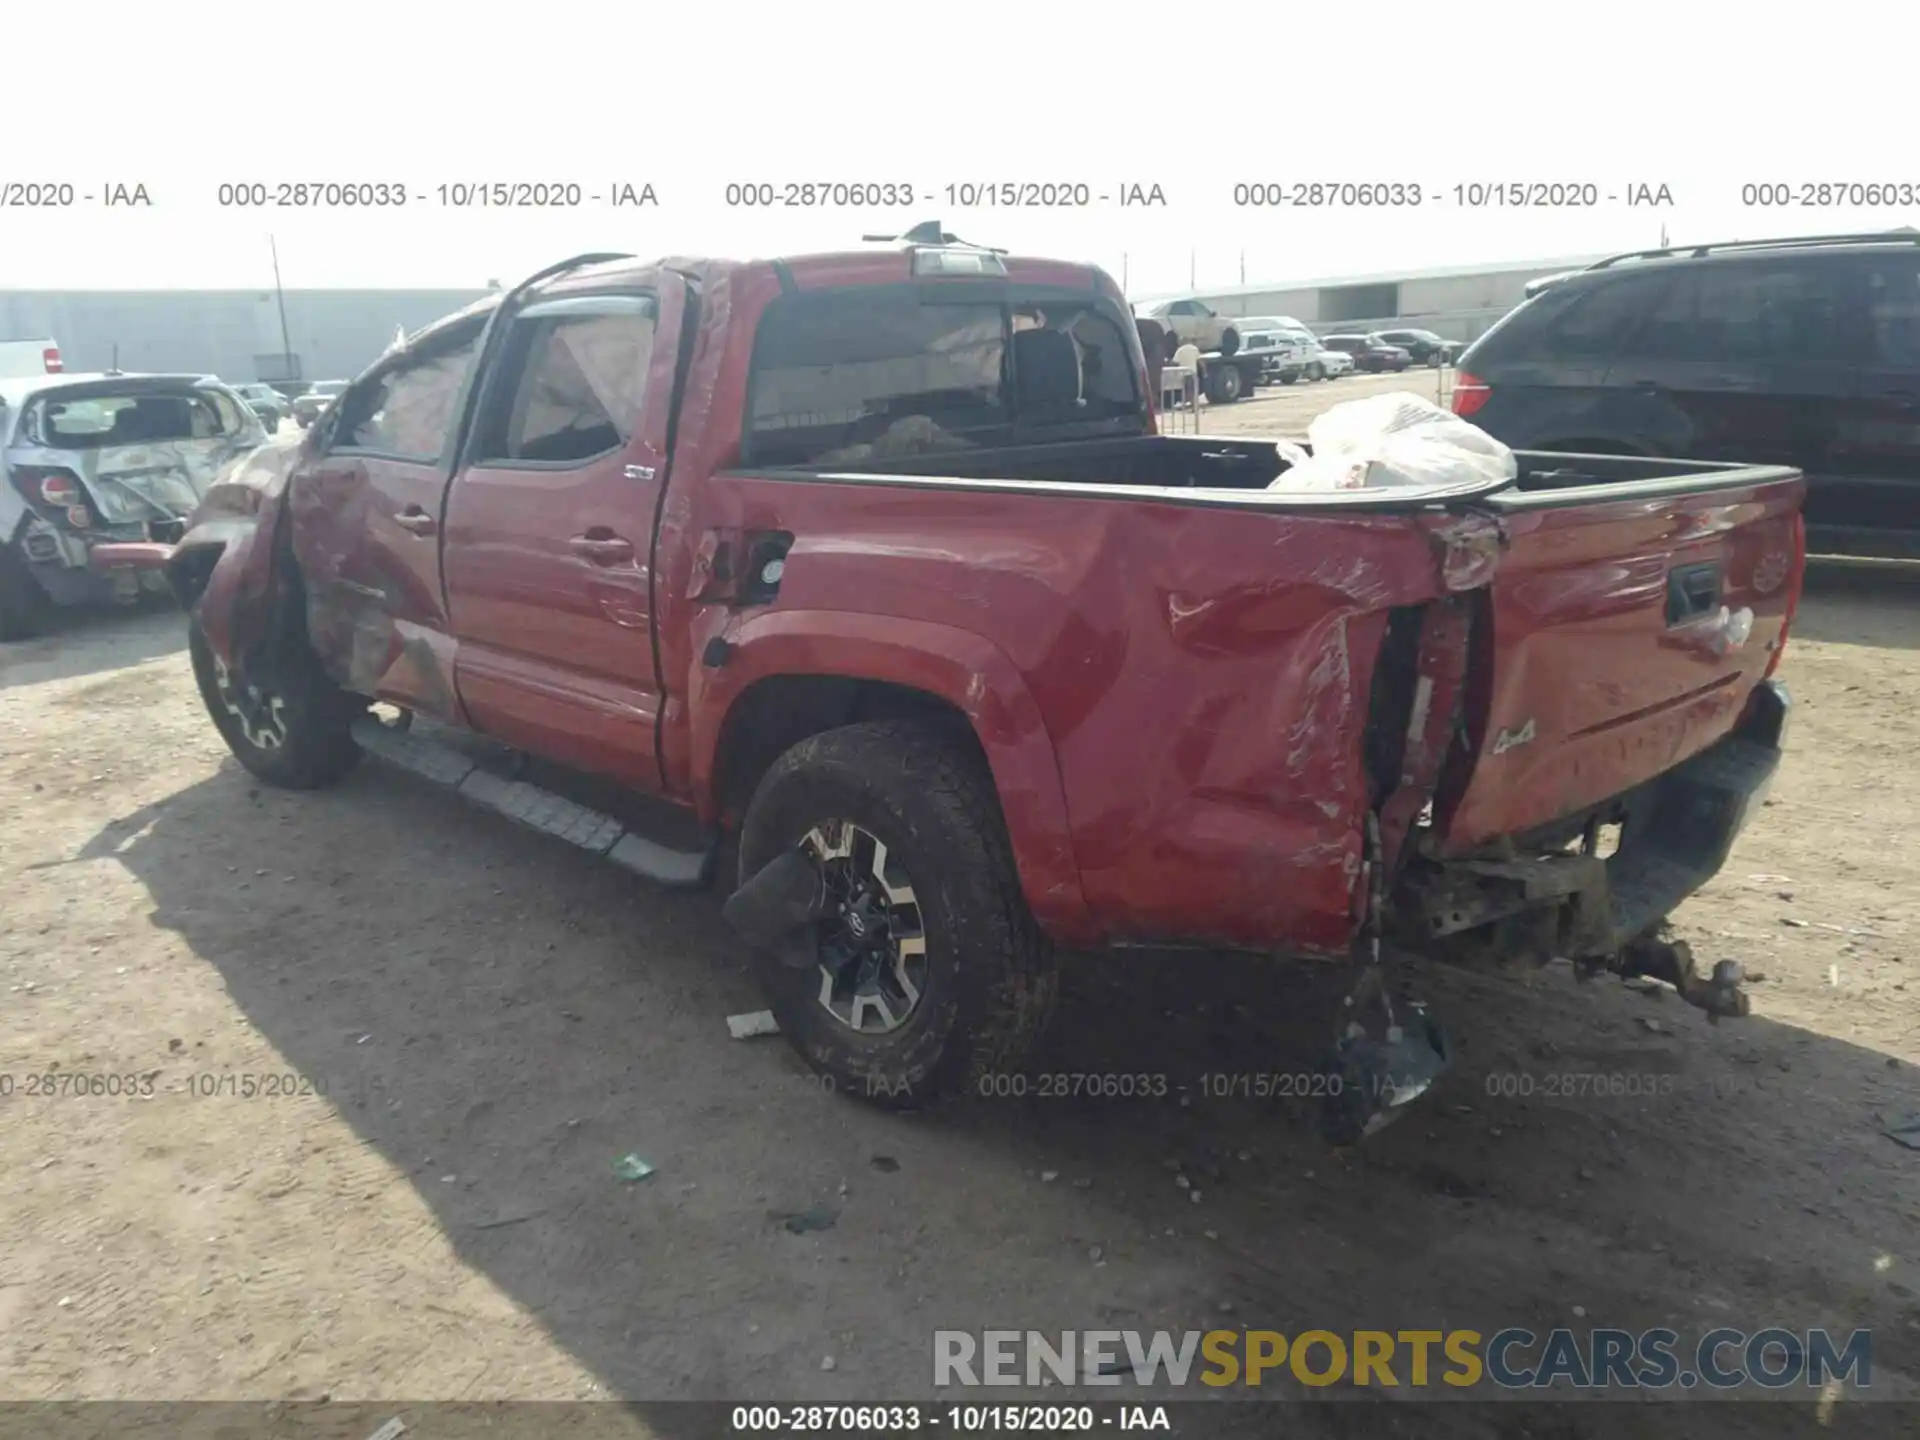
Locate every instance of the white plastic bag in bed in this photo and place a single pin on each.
(1396, 439)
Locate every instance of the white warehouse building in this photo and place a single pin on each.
(1457, 303)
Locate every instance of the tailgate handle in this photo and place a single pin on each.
(1692, 591)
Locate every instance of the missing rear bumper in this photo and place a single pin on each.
(1555, 895)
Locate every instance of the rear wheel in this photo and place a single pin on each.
(927, 974)
(1229, 341)
(288, 723)
(1224, 384)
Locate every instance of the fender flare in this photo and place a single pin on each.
(239, 573)
(964, 669)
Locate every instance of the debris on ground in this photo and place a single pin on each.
(632, 1167)
(1904, 1131)
(885, 1164)
(392, 1430)
(757, 1022)
(800, 1222)
(827, 1363)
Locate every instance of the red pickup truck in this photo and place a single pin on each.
(874, 567)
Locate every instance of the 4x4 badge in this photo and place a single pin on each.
(1513, 739)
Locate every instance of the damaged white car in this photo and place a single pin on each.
(89, 460)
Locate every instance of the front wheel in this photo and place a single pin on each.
(289, 724)
(925, 973)
(1316, 372)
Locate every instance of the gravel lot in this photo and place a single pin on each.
(475, 1023)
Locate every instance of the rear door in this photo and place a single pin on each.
(1875, 479)
(550, 530)
(1544, 369)
(1743, 360)
(367, 515)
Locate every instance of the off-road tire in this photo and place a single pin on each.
(992, 978)
(24, 606)
(1229, 341)
(318, 749)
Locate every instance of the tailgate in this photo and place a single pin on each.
(1626, 626)
(163, 480)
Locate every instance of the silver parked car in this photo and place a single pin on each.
(86, 459)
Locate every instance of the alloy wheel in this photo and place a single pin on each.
(871, 943)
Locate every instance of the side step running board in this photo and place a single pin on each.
(536, 808)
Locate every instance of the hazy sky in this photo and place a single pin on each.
(1701, 97)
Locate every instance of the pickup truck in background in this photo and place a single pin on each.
(873, 567)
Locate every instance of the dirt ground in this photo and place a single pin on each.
(396, 1047)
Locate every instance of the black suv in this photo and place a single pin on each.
(1800, 352)
(1424, 346)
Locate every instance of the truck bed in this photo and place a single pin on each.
(1210, 659)
(1239, 464)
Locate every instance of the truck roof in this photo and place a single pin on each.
(823, 270)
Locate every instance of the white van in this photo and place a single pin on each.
(23, 359)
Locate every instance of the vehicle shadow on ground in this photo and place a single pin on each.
(90, 641)
(1853, 602)
(483, 1003)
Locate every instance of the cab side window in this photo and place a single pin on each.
(573, 382)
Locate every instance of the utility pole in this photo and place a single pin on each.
(1193, 271)
(1243, 267)
(280, 298)
(1123, 272)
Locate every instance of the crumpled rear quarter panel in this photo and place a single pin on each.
(1203, 674)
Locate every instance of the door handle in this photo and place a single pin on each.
(416, 521)
(602, 549)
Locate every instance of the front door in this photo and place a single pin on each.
(367, 514)
(550, 524)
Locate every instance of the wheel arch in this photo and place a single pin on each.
(224, 568)
(788, 675)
